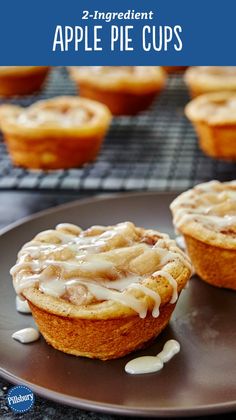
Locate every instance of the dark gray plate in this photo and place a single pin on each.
(201, 379)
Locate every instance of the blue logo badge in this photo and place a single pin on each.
(20, 398)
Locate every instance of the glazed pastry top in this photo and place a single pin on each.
(212, 77)
(213, 108)
(120, 77)
(208, 213)
(130, 266)
(65, 112)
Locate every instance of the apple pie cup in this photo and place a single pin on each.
(206, 217)
(103, 292)
(62, 132)
(214, 118)
(124, 90)
(208, 79)
(21, 80)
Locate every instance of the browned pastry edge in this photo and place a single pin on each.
(199, 83)
(119, 103)
(48, 152)
(198, 91)
(22, 83)
(174, 69)
(100, 339)
(214, 265)
(194, 92)
(217, 141)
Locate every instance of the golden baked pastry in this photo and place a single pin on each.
(214, 118)
(21, 80)
(102, 292)
(125, 90)
(206, 217)
(62, 132)
(207, 79)
(175, 69)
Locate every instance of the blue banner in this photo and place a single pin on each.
(144, 32)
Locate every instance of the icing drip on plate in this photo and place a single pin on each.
(22, 306)
(151, 364)
(26, 335)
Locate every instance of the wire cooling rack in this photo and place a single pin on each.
(156, 150)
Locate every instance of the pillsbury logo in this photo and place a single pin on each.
(20, 399)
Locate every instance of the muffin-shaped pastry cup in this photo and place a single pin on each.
(124, 90)
(108, 338)
(214, 118)
(215, 265)
(21, 80)
(206, 217)
(62, 132)
(207, 79)
(114, 292)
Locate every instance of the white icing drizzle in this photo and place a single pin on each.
(221, 222)
(21, 284)
(154, 295)
(54, 287)
(56, 261)
(22, 306)
(171, 280)
(181, 242)
(122, 283)
(26, 335)
(169, 256)
(151, 364)
(127, 299)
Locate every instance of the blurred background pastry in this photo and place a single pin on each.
(125, 90)
(61, 132)
(214, 118)
(21, 80)
(208, 79)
